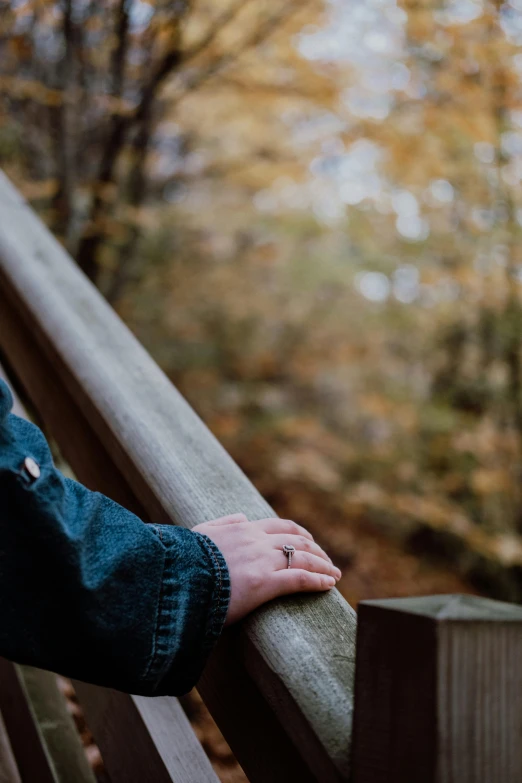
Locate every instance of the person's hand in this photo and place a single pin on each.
(258, 566)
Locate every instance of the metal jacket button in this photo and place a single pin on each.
(32, 467)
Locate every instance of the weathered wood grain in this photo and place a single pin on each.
(8, 770)
(438, 695)
(41, 732)
(298, 654)
(144, 740)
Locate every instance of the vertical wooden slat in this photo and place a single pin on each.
(144, 740)
(8, 769)
(438, 691)
(41, 732)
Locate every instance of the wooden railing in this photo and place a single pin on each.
(280, 686)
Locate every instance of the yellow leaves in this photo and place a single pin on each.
(504, 548)
(383, 406)
(21, 46)
(226, 426)
(302, 427)
(106, 191)
(116, 106)
(438, 514)
(30, 89)
(335, 388)
(39, 189)
(375, 404)
(490, 481)
(435, 511)
(93, 23)
(486, 441)
(308, 465)
(507, 548)
(406, 471)
(143, 217)
(466, 276)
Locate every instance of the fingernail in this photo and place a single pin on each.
(338, 572)
(331, 581)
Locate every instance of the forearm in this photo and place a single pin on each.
(88, 590)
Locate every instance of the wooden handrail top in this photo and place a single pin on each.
(298, 653)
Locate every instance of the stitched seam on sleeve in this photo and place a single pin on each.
(218, 598)
(157, 629)
(217, 565)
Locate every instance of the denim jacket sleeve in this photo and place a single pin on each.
(90, 591)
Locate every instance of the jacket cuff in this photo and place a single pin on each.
(192, 609)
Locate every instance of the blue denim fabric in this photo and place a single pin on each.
(90, 591)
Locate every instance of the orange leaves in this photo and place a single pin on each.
(378, 405)
(30, 88)
(491, 481)
(21, 47)
(245, 283)
(42, 189)
(308, 465)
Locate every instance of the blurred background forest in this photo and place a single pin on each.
(310, 213)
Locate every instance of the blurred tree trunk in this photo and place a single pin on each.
(94, 235)
(63, 136)
(136, 194)
(114, 142)
(122, 124)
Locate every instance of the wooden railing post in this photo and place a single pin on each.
(438, 692)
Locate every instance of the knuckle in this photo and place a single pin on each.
(293, 527)
(303, 580)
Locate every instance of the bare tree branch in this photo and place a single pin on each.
(285, 90)
(260, 35)
(116, 138)
(121, 124)
(119, 54)
(213, 33)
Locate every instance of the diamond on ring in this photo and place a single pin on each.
(289, 550)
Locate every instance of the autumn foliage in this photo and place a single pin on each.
(310, 215)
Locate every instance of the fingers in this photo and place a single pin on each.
(229, 520)
(308, 562)
(301, 544)
(271, 525)
(297, 580)
(276, 525)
